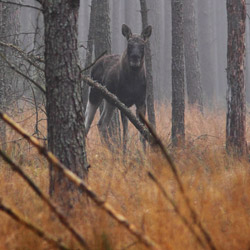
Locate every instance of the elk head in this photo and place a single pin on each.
(136, 46)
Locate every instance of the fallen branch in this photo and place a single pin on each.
(39, 232)
(144, 239)
(121, 106)
(43, 197)
(158, 141)
(176, 209)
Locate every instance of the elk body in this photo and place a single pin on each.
(123, 75)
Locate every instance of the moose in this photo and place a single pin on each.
(123, 75)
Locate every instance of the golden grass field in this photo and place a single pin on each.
(217, 185)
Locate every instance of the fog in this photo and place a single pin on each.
(211, 22)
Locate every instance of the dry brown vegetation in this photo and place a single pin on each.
(216, 184)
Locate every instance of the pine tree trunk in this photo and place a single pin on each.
(116, 27)
(3, 28)
(192, 64)
(90, 49)
(206, 49)
(9, 28)
(102, 28)
(166, 89)
(247, 73)
(178, 95)
(236, 96)
(148, 61)
(102, 44)
(63, 95)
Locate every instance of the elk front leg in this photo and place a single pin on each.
(125, 132)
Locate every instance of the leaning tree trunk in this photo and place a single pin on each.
(102, 44)
(192, 64)
(178, 95)
(236, 95)
(148, 59)
(63, 94)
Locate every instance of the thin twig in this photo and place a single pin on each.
(39, 232)
(43, 197)
(93, 63)
(173, 167)
(22, 74)
(27, 57)
(176, 209)
(17, 34)
(130, 245)
(144, 239)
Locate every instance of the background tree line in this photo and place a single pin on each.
(188, 46)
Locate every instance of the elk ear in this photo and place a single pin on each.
(146, 33)
(126, 31)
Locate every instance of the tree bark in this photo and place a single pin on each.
(166, 88)
(63, 95)
(116, 27)
(178, 95)
(236, 95)
(192, 63)
(9, 25)
(247, 73)
(102, 28)
(148, 61)
(206, 55)
(89, 52)
(3, 28)
(102, 44)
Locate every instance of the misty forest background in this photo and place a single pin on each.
(211, 20)
(188, 190)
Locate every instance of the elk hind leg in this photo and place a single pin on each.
(93, 103)
(103, 123)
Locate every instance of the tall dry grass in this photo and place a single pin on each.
(216, 184)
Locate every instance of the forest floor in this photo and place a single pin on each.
(216, 184)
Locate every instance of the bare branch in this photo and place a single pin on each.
(22, 5)
(39, 232)
(17, 34)
(144, 239)
(43, 197)
(28, 58)
(12, 66)
(173, 167)
(93, 63)
(176, 209)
